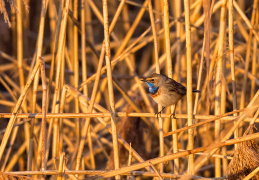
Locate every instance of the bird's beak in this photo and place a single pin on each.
(144, 80)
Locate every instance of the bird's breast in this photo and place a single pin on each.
(166, 98)
(156, 94)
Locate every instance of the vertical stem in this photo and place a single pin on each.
(62, 104)
(56, 107)
(110, 87)
(44, 113)
(20, 45)
(39, 50)
(36, 79)
(130, 160)
(76, 68)
(219, 78)
(91, 148)
(83, 56)
(189, 83)
(199, 78)
(169, 71)
(231, 56)
(223, 103)
(19, 18)
(254, 65)
(161, 138)
(206, 48)
(247, 60)
(223, 95)
(61, 166)
(84, 76)
(177, 9)
(58, 71)
(51, 73)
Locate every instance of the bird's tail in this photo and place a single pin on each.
(197, 91)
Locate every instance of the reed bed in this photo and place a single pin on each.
(73, 106)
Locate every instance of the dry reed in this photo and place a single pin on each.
(81, 113)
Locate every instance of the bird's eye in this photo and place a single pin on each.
(152, 80)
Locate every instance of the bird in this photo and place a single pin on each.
(165, 91)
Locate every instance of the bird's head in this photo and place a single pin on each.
(154, 81)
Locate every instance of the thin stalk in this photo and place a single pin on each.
(83, 56)
(169, 73)
(223, 104)
(44, 112)
(52, 66)
(189, 83)
(76, 67)
(110, 86)
(231, 56)
(130, 160)
(61, 168)
(195, 109)
(61, 133)
(36, 79)
(58, 59)
(19, 18)
(161, 139)
(248, 52)
(39, 49)
(20, 45)
(254, 65)
(219, 79)
(105, 113)
(56, 107)
(84, 75)
(178, 11)
(70, 173)
(91, 148)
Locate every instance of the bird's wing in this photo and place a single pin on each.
(172, 85)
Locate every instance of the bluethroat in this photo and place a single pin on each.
(165, 91)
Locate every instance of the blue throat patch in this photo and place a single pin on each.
(152, 89)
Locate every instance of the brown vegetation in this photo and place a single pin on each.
(71, 97)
